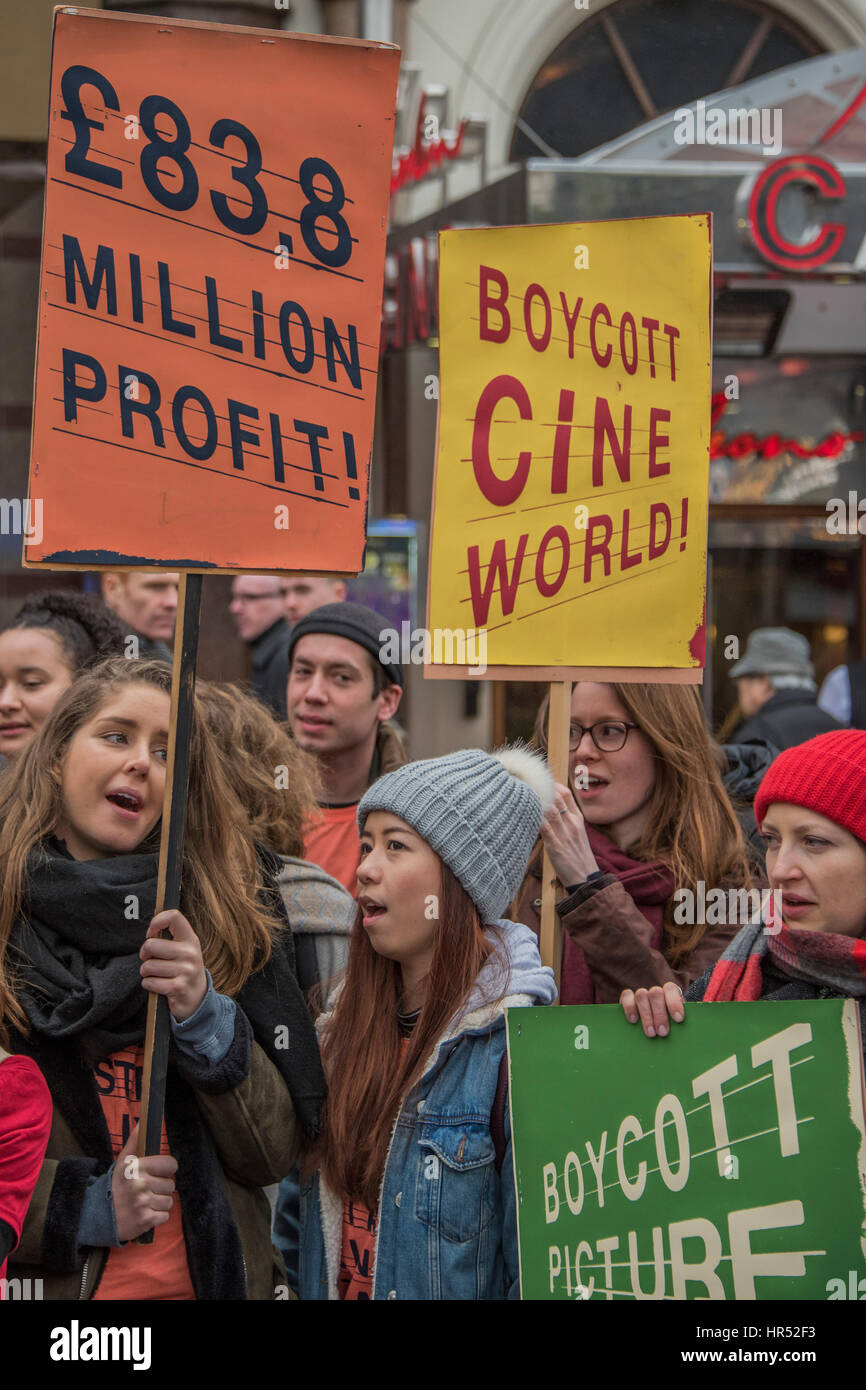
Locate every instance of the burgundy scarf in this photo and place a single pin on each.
(649, 885)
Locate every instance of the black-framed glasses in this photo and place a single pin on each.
(608, 735)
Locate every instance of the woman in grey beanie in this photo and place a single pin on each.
(409, 1191)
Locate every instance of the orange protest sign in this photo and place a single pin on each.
(213, 253)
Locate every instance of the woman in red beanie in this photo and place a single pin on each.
(811, 808)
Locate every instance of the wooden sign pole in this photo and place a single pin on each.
(558, 722)
(158, 1032)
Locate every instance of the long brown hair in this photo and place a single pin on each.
(369, 1072)
(277, 783)
(221, 874)
(691, 826)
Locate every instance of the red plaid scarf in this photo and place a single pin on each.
(822, 958)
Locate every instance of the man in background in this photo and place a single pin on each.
(304, 592)
(340, 699)
(257, 609)
(145, 601)
(776, 690)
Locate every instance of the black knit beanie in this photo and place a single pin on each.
(354, 622)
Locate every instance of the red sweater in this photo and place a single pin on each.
(25, 1123)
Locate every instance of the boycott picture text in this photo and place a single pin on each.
(725, 1160)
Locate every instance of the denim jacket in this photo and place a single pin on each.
(447, 1218)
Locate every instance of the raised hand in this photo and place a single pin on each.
(563, 831)
(173, 966)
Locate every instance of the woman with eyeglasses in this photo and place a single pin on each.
(645, 815)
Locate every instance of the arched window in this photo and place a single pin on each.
(637, 59)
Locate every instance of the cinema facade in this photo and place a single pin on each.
(781, 165)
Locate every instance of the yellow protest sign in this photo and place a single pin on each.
(570, 501)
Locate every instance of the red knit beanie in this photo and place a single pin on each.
(827, 774)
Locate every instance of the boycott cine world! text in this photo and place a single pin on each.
(649, 347)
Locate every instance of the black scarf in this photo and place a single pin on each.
(76, 949)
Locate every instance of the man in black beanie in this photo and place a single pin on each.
(340, 697)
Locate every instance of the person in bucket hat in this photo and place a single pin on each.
(776, 690)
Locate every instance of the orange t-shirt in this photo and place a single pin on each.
(332, 842)
(358, 1248)
(133, 1271)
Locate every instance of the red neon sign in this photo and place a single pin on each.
(770, 445)
(810, 170)
(425, 154)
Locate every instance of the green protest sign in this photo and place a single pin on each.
(727, 1160)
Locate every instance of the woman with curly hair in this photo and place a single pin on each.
(52, 638)
(278, 786)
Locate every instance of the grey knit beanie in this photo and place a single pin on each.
(480, 812)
